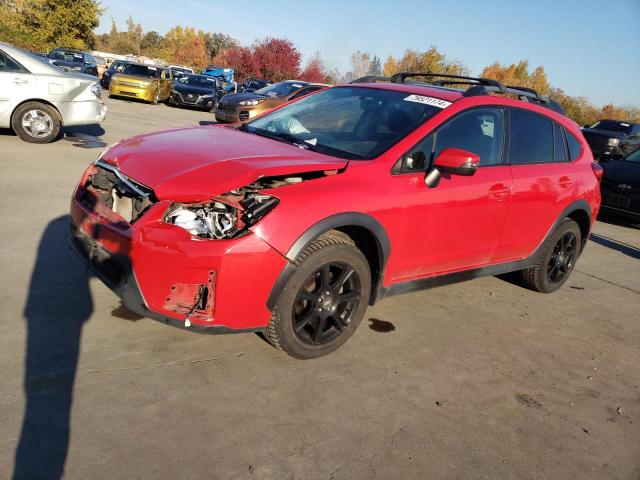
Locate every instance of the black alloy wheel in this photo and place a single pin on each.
(562, 258)
(324, 299)
(325, 304)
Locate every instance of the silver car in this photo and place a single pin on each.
(37, 99)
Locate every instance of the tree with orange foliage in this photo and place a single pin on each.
(314, 71)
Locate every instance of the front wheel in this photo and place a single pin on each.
(36, 122)
(324, 301)
(557, 260)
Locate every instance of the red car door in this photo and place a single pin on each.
(456, 225)
(544, 182)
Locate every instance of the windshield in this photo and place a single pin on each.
(347, 122)
(634, 157)
(281, 89)
(612, 126)
(142, 70)
(67, 56)
(198, 81)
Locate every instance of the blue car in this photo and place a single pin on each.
(225, 75)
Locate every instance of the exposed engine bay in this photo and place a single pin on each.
(230, 215)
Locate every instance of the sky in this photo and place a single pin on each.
(588, 48)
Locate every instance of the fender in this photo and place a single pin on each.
(351, 219)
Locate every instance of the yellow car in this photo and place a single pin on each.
(150, 83)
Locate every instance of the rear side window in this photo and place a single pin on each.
(531, 138)
(574, 145)
(559, 149)
(8, 65)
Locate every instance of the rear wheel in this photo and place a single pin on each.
(324, 300)
(36, 122)
(557, 261)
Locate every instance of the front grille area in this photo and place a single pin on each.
(190, 98)
(130, 84)
(224, 108)
(117, 192)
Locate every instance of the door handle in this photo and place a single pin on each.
(565, 182)
(20, 81)
(499, 191)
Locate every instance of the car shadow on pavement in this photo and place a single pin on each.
(625, 248)
(59, 303)
(86, 136)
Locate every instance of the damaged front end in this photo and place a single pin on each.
(107, 187)
(230, 215)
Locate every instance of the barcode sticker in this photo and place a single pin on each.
(435, 102)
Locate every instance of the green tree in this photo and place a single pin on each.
(375, 67)
(53, 23)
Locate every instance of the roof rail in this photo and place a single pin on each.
(477, 86)
(370, 79)
(455, 79)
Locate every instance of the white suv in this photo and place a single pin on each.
(37, 98)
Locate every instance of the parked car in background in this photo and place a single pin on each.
(252, 85)
(144, 82)
(612, 137)
(200, 91)
(73, 61)
(621, 185)
(225, 76)
(294, 222)
(115, 67)
(179, 71)
(37, 99)
(240, 107)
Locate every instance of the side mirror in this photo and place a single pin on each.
(452, 161)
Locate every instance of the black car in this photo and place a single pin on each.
(612, 137)
(200, 91)
(115, 67)
(620, 185)
(73, 61)
(253, 84)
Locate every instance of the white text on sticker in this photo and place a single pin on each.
(436, 102)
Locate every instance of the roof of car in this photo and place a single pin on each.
(443, 93)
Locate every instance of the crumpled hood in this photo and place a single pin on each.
(195, 164)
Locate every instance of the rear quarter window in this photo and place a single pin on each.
(575, 147)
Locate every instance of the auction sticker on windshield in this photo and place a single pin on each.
(435, 102)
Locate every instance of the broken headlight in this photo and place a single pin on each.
(218, 220)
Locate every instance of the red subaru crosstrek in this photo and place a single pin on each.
(293, 223)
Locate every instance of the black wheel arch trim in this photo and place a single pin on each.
(348, 219)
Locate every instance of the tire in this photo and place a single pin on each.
(36, 122)
(305, 322)
(557, 261)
